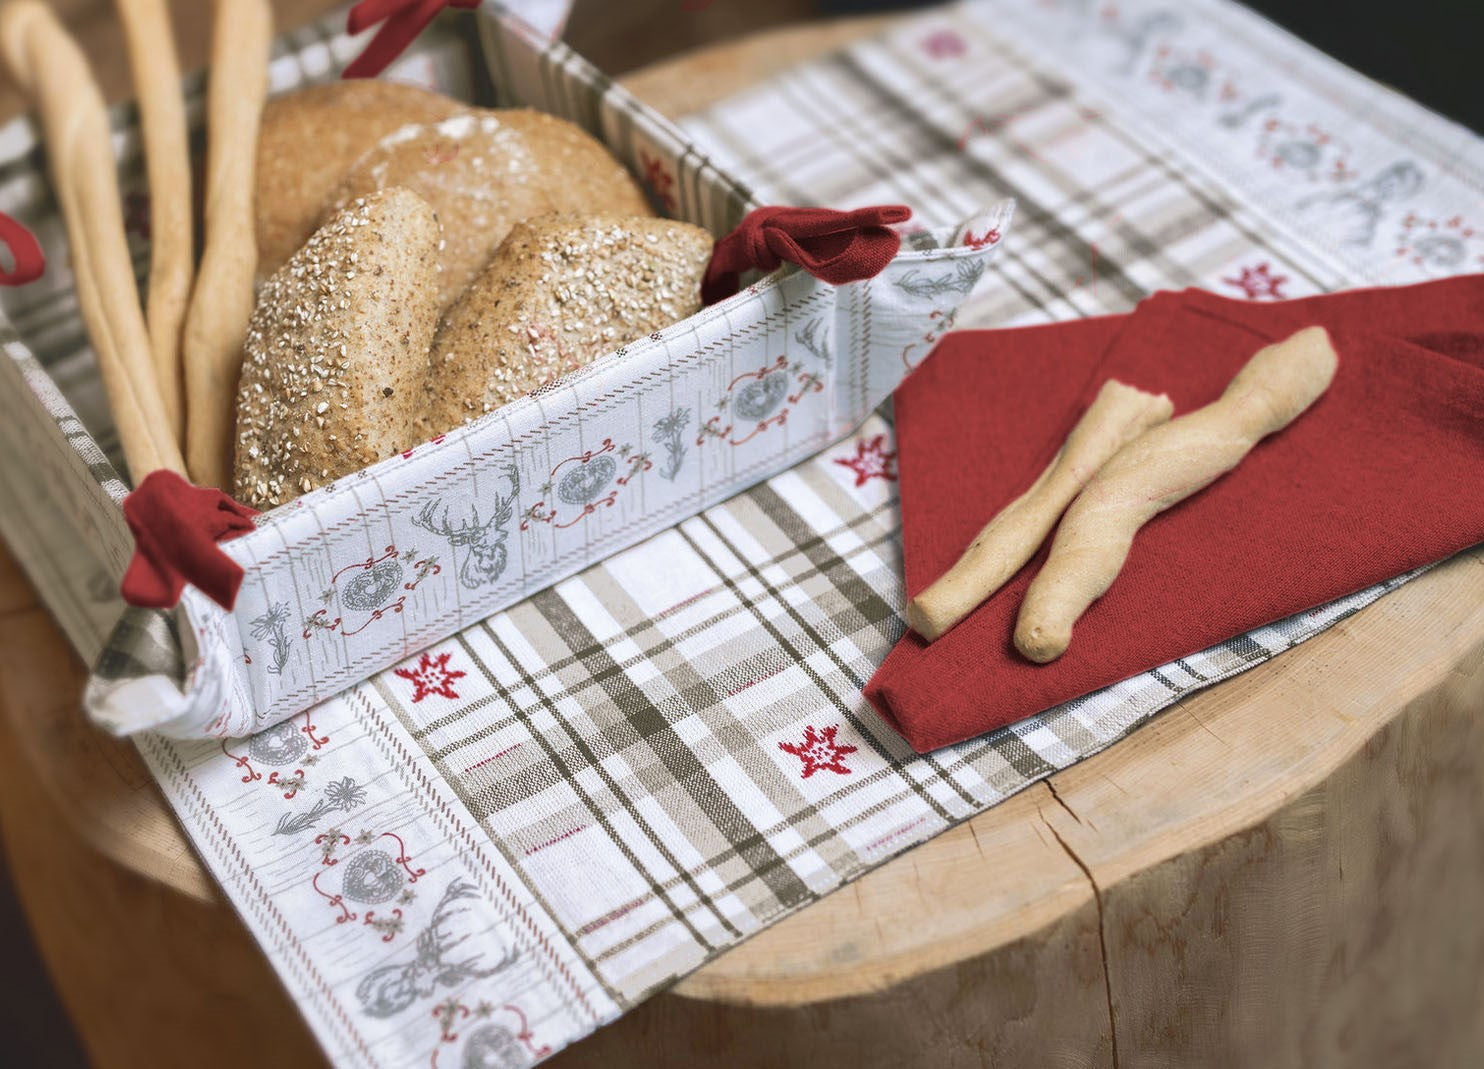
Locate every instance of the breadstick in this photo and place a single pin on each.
(1117, 416)
(167, 159)
(47, 66)
(1159, 468)
(222, 301)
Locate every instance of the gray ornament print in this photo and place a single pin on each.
(492, 1046)
(272, 626)
(341, 796)
(281, 744)
(1190, 78)
(371, 877)
(587, 481)
(1298, 154)
(669, 432)
(1442, 251)
(757, 400)
(372, 588)
(960, 279)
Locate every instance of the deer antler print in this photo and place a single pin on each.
(484, 539)
(390, 989)
(466, 533)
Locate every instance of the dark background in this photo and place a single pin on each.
(1425, 49)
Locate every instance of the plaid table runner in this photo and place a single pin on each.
(492, 849)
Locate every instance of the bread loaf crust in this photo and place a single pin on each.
(311, 137)
(561, 291)
(485, 170)
(336, 352)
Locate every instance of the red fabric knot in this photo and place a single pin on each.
(401, 22)
(176, 528)
(25, 250)
(834, 247)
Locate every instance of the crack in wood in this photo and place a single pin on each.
(1097, 896)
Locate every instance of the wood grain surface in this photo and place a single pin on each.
(1283, 870)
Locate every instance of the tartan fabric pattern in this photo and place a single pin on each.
(620, 694)
(591, 793)
(153, 648)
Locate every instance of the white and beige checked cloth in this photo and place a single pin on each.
(487, 852)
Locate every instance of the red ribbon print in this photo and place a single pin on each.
(176, 528)
(30, 263)
(401, 21)
(834, 247)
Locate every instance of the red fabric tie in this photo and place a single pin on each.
(402, 21)
(176, 529)
(25, 250)
(1381, 475)
(834, 247)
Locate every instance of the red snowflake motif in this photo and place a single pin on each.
(978, 241)
(432, 676)
(945, 44)
(872, 460)
(819, 751)
(136, 215)
(1259, 282)
(659, 180)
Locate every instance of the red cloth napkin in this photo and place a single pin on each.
(176, 528)
(833, 246)
(1383, 474)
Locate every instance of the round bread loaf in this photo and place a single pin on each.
(560, 291)
(311, 137)
(335, 360)
(483, 171)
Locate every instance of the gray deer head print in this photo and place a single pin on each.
(482, 538)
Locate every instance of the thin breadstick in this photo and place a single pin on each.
(47, 66)
(1159, 468)
(162, 121)
(1117, 416)
(222, 300)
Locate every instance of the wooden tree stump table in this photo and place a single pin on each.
(1284, 870)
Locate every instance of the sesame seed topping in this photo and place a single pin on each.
(309, 316)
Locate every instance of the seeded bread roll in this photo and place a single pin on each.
(336, 354)
(311, 137)
(560, 291)
(483, 171)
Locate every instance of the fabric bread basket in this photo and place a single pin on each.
(358, 575)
